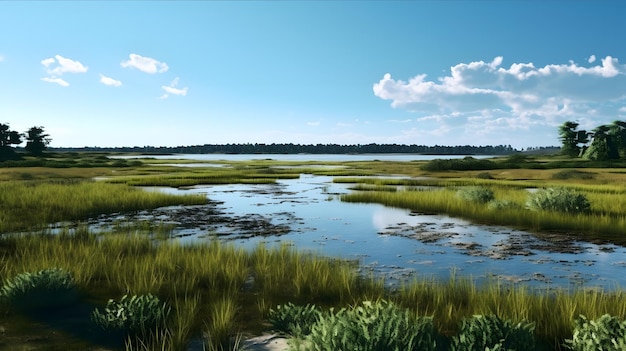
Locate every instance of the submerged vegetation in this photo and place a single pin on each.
(215, 293)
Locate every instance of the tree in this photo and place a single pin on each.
(8, 138)
(618, 131)
(604, 145)
(36, 141)
(570, 137)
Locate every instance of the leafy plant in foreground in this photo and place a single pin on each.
(481, 333)
(52, 287)
(372, 326)
(294, 320)
(132, 315)
(606, 333)
(560, 200)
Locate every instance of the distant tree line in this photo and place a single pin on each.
(606, 142)
(36, 142)
(309, 149)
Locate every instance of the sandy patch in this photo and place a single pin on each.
(267, 342)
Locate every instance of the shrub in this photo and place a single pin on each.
(484, 175)
(606, 333)
(294, 320)
(558, 199)
(465, 164)
(372, 326)
(47, 288)
(477, 194)
(496, 205)
(136, 315)
(572, 174)
(481, 333)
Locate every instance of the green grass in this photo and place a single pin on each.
(221, 289)
(27, 205)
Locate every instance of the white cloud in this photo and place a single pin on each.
(109, 81)
(313, 124)
(523, 95)
(58, 81)
(592, 59)
(145, 64)
(171, 89)
(1, 58)
(64, 65)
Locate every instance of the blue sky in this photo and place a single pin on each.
(118, 73)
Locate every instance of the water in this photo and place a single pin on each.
(402, 244)
(394, 242)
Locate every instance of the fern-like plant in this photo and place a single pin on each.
(137, 315)
(606, 333)
(294, 320)
(47, 288)
(481, 333)
(372, 326)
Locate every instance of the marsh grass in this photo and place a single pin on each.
(25, 205)
(211, 286)
(606, 221)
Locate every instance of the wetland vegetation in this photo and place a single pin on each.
(216, 291)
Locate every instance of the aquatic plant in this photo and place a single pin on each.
(136, 315)
(606, 333)
(375, 326)
(490, 332)
(294, 320)
(52, 287)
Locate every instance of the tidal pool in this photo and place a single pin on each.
(400, 244)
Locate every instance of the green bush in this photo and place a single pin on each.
(476, 194)
(496, 205)
(372, 326)
(47, 288)
(465, 164)
(606, 333)
(558, 199)
(137, 315)
(573, 174)
(484, 175)
(294, 320)
(481, 333)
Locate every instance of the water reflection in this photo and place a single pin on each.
(393, 241)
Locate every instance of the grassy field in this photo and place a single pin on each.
(221, 290)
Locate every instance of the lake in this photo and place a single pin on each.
(397, 243)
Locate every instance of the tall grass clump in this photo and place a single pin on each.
(607, 333)
(48, 288)
(490, 332)
(372, 326)
(558, 200)
(221, 325)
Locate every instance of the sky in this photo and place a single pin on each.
(177, 73)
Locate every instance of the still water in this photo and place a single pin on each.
(397, 243)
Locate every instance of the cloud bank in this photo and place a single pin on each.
(145, 64)
(484, 96)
